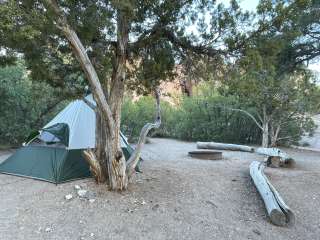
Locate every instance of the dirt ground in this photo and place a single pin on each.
(176, 197)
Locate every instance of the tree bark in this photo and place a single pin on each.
(265, 129)
(274, 134)
(265, 135)
(117, 161)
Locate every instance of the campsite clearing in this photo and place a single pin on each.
(176, 197)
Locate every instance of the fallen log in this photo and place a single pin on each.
(276, 157)
(224, 146)
(280, 214)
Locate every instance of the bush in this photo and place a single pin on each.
(204, 119)
(136, 114)
(23, 104)
(198, 118)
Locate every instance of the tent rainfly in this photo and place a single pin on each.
(54, 153)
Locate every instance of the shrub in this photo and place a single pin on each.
(197, 118)
(136, 114)
(23, 104)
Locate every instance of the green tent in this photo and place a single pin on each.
(54, 154)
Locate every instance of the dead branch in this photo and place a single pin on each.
(134, 158)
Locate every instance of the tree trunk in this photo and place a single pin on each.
(101, 129)
(274, 135)
(116, 161)
(265, 134)
(107, 161)
(265, 129)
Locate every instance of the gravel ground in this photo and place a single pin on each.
(176, 197)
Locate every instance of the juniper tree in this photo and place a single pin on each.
(271, 75)
(116, 44)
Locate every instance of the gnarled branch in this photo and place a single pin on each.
(134, 158)
(246, 113)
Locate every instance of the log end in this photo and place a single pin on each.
(289, 163)
(278, 218)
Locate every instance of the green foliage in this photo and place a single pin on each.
(203, 118)
(199, 118)
(23, 104)
(157, 37)
(206, 116)
(135, 114)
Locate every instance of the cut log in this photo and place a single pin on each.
(206, 154)
(224, 146)
(280, 214)
(276, 157)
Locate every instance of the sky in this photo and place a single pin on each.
(249, 5)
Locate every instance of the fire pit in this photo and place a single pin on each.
(206, 154)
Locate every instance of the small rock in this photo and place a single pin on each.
(91, 234)
(256, 231)
(155, 207)
(48, 229)
(130, 210)
(92, 200)
(234, 180)
(143, 202)
(77, 187)
(68, 196)
(82, 193)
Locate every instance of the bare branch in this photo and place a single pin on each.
(247, 113)
(134, 158)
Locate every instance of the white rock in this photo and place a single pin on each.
(82, 193)
(92, 200)
(91, 234)
(68, 196)
(48, 229)
(77, 187)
